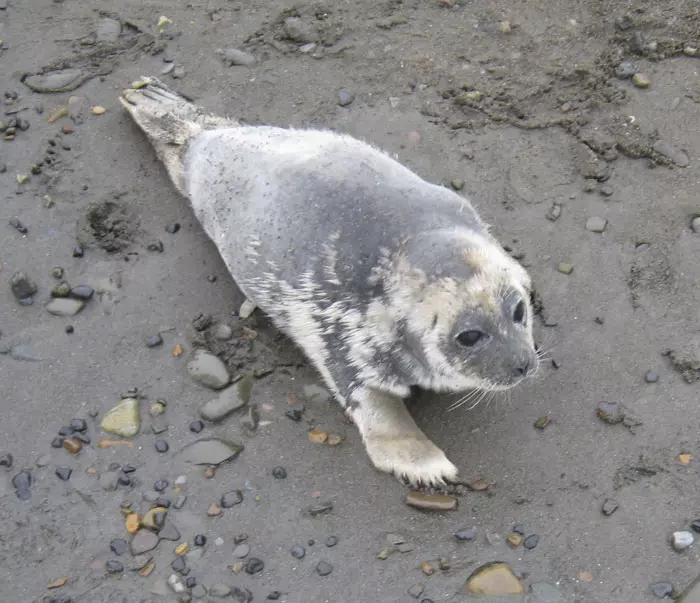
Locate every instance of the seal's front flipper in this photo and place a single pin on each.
(394, 442)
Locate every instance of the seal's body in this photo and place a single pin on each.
(384, 280)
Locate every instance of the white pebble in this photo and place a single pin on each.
(176, 584)
(682, 540)
(247, 308)
(219, 541)
(181, 480)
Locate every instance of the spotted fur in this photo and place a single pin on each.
(370, 269)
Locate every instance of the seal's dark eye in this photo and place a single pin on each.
(469, 338)
(519, 313)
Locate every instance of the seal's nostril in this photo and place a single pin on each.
(523, 369)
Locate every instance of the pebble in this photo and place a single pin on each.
(63, 473)
(494, 579)
(114, 567)
(298, 551)
(324, 568)
(662, 589)
(514, 540)
(199, 592)
(155, 246)
(124, 419)
(78, 252)
(214, 510)
(228, 401)
(300, 31)
(465, 534)
(609, 506)
(172, 228)
(544, 421)
(161, 446)
(320, 509)
(178, 564)
(18, 226)
(676, 155)
(610, 412)
(682, 540)
(274, 595)
(246, 310)
(208, 370)
(98, 110)
(695, 225)
(176, 584)
(232, 498)
(641, 80)
(254, 565)
(109, 481)
(161, 485)
(345, 98)
(234, 56)
(180, 501)
(200, 540)
(153, 341)
(210, 451)
(431, 502)
(138, 562)
(22, 480)
(416, 590)
(69, 329)
(606, 191)
(241, 595)
(72, 445)
(43, 461)
(22, 286)
(331, 541)
(295, 414)
(79, 425)
(625, 70)
(241, 551)
(554, 212)
(82, 292)
(6, 460)
(119, 547)
(223, 332)
(196, 426)
(279, 473)
(57, 442)
(596, 224)
(64, 306)
(531, 541)
(651, 377)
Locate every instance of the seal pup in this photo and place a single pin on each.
(384, 280)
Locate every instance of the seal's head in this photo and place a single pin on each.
(468, 314)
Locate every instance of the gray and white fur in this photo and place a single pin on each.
(383, 280)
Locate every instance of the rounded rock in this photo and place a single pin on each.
(681, 540)
(331, 541)
(196, 426)
(208, 370)
(324, 568)
(641, 80)
(651, 377)
(465, 534)
(241, 551)
(254, 566)
(662, 589)
(200, 540)
(161, 446)
(64, 473)
(232, 498)
(695, 224)
(298, 552)
(114, 567)
(119, 546)
(161, 485)
(625, 70)
(279, 473)
(531, 541)
(79, 425)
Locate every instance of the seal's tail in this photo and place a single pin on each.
(169, 120)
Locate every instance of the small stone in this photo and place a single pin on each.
(427, 568)
(279, 473)
(318, 437)
(494, 579)
(82, 292)
(119, 546)
(200, 540)
(156, 409)
(139, 562)
(199, 592)
(514, 540)
(155, 246)
(457, 184)
(78, 252)
(542, 422)
(208, 370)
(431, 502)
(143, 541)
(695, 225)
(651, 377)
(228, 401)
(234, 56)
(416, 590)
(324, 568)
(610, 412)
(295, 414)
(6, 460)
(254, 565)
(160, 485)
(695, 525)
(57, 583)
(465, 534)
(519, 529)
(124, 419)
(299, 31)
(223, 332)
(209, 472)
(676, 155)
(345, 98)
(331, 541)
(241, 551)
(609, 507)
(320, 509)
(682, 540)
(298, 551)
(172, 228)
(178, 73)
(114, 567)
(606, 191)
(132, 523)
(596, 224)
(554, 212)
(176, 584)
(161, 446)
(57, 272)
(625, 70)
(531, 541)
(565, 268)
(662, 589)
(153, 341)
(210, 451)
(22, 480)
(72, 445)
(334, 440)
(214, 510)
(18, 226)
(274, 595)
(97, 110)
(196, 426)
(180, 501)
(57, 442)
(79, 425)
(178, 564)
(154, 519)
(246, 310)
(238, 538)
(44, 460)
(63, 473)
(230, 499)
(641, 80)
(690, 51)
(22, 286)
(181, 549)
(109, 481)
(479, 485)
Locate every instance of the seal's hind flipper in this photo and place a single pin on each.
(169, 120)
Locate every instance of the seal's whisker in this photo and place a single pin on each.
(469, 396)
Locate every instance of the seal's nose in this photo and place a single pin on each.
(523, 369)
